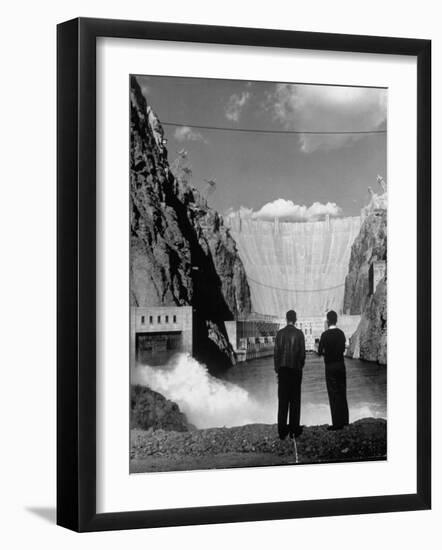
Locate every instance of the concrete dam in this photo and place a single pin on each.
(295, 265)
(289, 265)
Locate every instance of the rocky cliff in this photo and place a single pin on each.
(181, 252)
(369, 342)
(369, 245)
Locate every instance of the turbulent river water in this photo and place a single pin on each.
(366, 388)
(247, 392)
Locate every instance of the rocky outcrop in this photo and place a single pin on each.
(369, 342)
(181, 252)
(369, 245)
(151, 411)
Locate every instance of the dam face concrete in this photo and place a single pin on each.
(300, 266)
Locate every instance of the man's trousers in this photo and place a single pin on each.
(289, 400)
(336, 380)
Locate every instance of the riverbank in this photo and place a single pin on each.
(254, 445)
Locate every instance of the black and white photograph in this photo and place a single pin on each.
(258, 273)
(221, 248)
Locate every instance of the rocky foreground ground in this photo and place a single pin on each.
(254, 445)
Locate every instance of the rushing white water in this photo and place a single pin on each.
(205, 400)
(247, 393)
(295, 265)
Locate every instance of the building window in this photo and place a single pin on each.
(150, 319)
(142, 319)
(167, 318)
(159, 319)
(174, 318)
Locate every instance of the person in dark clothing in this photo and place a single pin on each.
(332, 347)
(289, 359)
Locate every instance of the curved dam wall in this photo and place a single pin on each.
(291, 265)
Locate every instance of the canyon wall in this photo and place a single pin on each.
(181, 252)
(370, 245)
(295, 265)
(369, 342)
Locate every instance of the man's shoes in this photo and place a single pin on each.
(297, 432)
(334, 428)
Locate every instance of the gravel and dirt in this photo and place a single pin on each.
(254, 445)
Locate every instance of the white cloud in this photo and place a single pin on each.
(235, 105)
(184, 133)
(288, 211)
(328, 108)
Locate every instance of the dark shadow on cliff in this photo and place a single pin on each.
(207, 298)
(158, 197)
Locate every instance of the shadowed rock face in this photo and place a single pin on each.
(369, 342)
(181, 253)
(369, 245)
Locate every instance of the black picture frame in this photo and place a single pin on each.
(76, 274)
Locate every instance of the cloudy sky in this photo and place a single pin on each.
(293, 176)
